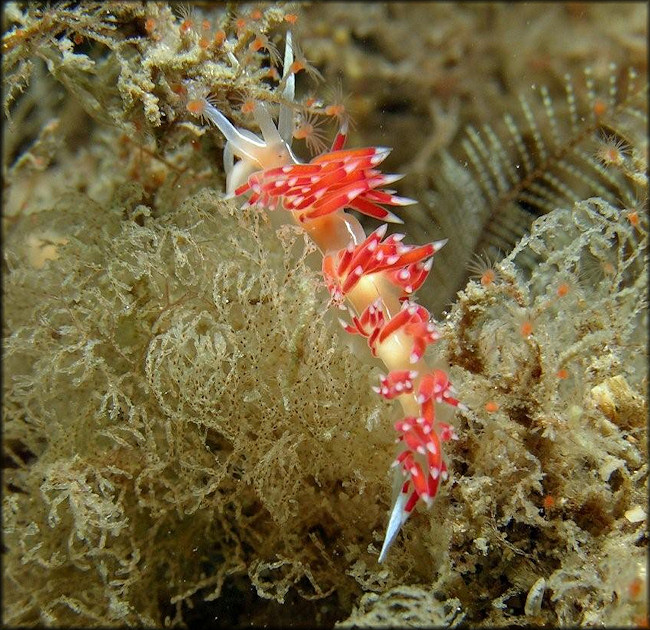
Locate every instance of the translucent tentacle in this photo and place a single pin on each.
(228, 159)
(285, 119)
(241, 145)
(267, 126)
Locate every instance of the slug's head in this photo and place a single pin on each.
(256, 153)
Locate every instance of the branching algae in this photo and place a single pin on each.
(183, 418)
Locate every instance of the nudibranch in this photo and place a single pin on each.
(373, 276)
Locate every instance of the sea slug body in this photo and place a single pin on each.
(373, 276)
